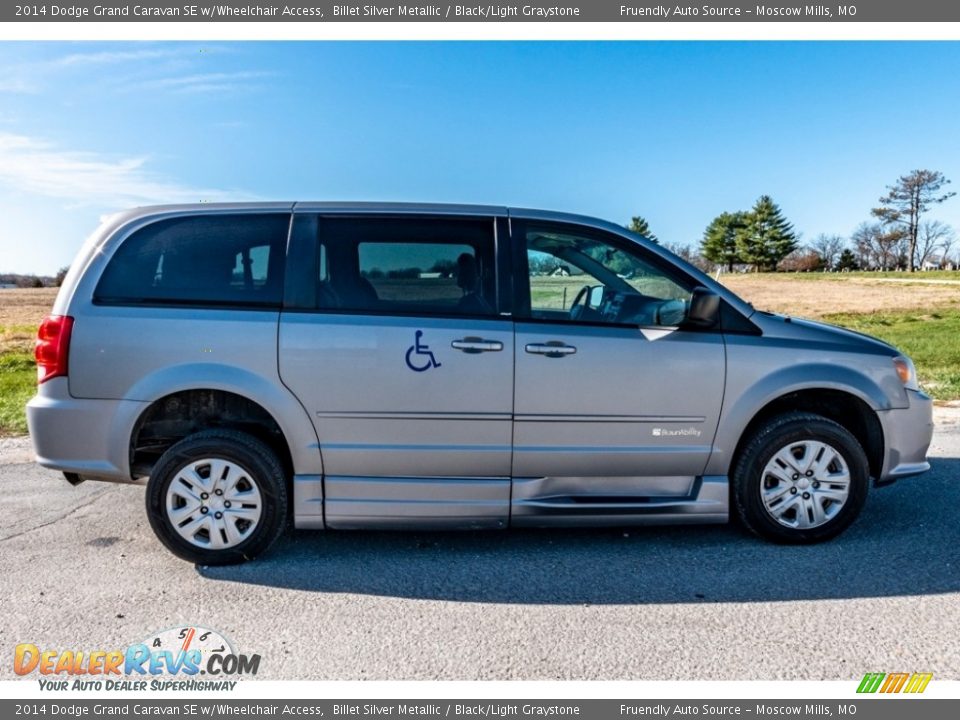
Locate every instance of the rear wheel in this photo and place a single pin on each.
(217, 497)
(801, 478)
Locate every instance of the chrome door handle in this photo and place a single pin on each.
(551, 349)
(473, 345)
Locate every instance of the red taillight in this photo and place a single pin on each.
(53, 346)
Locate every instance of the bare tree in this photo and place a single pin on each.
(828, 247)
(862, 240)
(906, 202)
(801, 260)
(691, 255)
(930, 239)
(946, 250)
(876, 248)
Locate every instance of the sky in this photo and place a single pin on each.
(675, 131)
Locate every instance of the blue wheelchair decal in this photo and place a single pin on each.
(427, 360)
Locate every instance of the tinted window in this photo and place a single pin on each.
(206, 260)
(587, 278)
(405, 265)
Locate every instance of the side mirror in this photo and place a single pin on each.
(704, 308)
(596, 296)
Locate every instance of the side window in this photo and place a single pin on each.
(585, 278)
(200, 260)
(407, 265)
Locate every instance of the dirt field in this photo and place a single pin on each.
(25, 307)
(815, 297)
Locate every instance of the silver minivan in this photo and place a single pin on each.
(355, 365)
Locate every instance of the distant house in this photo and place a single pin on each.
(937, 263)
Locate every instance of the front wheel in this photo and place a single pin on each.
(801, 478)
(217, 497)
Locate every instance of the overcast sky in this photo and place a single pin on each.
(677, 132)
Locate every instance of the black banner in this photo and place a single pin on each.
(380, 11)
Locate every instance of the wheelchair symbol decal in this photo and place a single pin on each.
(419, 356)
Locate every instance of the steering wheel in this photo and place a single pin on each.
(580, 303)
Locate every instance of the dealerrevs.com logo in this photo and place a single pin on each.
(173, 659)
(894, 682)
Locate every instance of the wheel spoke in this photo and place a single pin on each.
(178, 515)
(837, 496)
(782, 475)
(245, 497)
(243, 513)
(190, 529)
(838, 480)
(826, 456)
(783, 508)
(816, 509)
(190, 481)
(234, 536)
(773, 496)
(218, 468)
(229, 485)
(184, 489)
(216, 539)
(785, 456)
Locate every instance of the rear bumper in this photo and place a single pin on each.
(88, 437)
(907, 433)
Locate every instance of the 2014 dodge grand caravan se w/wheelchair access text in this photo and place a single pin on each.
(408, 366)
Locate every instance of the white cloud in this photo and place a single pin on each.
(84, 178)
(113, 57)
(207, 82)
(19, 85)
(34, 77)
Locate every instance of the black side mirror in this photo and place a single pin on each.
(704, 308)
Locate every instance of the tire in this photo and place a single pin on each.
(217, 497)
(800, 479)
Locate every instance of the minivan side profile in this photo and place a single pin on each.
(359, 365)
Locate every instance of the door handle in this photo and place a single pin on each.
(474, 345)
(552, 349)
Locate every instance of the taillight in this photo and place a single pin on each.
(53, 346)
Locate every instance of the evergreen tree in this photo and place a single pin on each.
(640, 226)
(766, 237)
(719, 244)
(847, 261)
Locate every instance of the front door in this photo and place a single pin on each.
(616, 404)
(406, 368)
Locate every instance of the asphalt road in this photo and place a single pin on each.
(82, 570)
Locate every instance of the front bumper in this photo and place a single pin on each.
(907, 433)
(90, 438)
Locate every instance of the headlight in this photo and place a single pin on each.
(906, 372)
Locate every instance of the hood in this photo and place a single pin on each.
(800, 329)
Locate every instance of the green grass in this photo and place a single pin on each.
(931, 339)
(18, 382)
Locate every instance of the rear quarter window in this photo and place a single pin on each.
(221, 260)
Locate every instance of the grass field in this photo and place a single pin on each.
(20, 313)
(920, 314)
(931, 338)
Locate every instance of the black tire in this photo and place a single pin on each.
(265, 472)
(767, 441)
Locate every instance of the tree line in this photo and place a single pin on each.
(900, 236)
